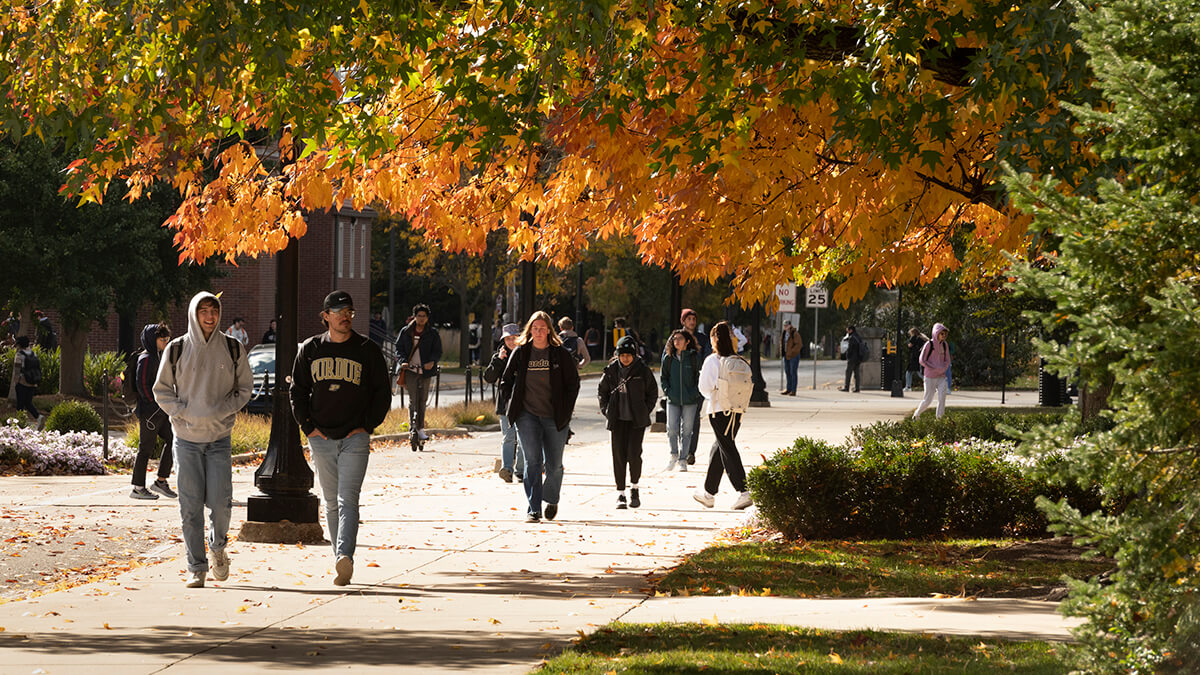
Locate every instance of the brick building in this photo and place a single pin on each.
(334, 253)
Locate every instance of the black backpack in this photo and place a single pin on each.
(31, 369)
(571, 344)
(129, 378)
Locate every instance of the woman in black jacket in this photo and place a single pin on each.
(627, 396)
(541, 382)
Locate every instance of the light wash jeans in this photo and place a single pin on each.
(510, 446)
(681, 425)
(341, 465)
(205, 478)
(933, 384)
(542, 444)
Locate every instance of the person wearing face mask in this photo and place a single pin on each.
(627, 397)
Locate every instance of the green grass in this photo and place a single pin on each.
(734, 648)
(864, 569)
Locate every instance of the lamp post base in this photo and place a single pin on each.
(282, 532)
(282, 519)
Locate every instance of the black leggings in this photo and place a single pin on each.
(725, 457)
(146, 445)
(627, 451)
(25, 400)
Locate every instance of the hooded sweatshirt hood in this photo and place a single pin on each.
(206, 383)
(935, 355)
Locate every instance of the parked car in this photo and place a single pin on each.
(262, 364)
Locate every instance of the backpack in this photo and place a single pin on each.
(31, 369)
(176, 348)
(734, 384)
(129, 390)
(571, 344)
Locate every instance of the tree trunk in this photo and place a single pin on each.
(73, 344)
(1093, 400)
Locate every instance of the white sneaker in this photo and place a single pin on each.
(671, 463)
(422, 435)
(704, 498)
(345, 570)
(219, 560)
(683, 465)
(743, 501)
(195, 580)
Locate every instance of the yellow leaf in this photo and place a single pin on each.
(711, 622)
(834, 658)
(493, 621)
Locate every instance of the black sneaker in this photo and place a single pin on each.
(692, 459)
(161, 487)
(621, 501)
(634, 501)
(140, 492)
(551, 511)
(533, 518)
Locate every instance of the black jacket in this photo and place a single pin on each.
(492, 373)
(564, 383)
(854, 353)
(430, 347)
(640, 387)
(145, 374)
(338, 387)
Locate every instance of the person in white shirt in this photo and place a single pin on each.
(724, 457)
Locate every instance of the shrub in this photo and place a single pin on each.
(251, 433)
(809, 490)
(898, 488)
(49, 453)
(96, 366)
(987, 424)
(74, 416)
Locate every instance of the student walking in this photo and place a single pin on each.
(203, 380)
(153, 423)
(916, 341)
(627, 396)
(935, 359)
(541, 382)
(420, 348)
(690, 322)
(27, 371)
(852, 351)
(510, 458)
(717, 385)
(791, 347)
(681, 383)
(340, 393)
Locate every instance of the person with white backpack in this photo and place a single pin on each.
(725, 383)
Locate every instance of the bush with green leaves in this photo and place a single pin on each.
(899, 488)
(74, 416)
(988, 424)
(97, 366)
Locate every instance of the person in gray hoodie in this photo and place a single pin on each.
(203, 380)
(935, 360)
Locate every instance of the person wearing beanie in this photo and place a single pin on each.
(511, 461)
(628, 393)
(935, 360)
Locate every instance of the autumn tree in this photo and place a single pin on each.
(1125, 284)
(738, 140)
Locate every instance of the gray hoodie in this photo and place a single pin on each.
(198, 390)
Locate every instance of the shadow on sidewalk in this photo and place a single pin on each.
(294, 646)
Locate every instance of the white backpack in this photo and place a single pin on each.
(735, 383)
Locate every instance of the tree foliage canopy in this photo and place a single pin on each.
(750, 138)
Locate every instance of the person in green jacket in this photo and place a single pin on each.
(680, 382)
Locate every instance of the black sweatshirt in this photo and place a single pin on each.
(338, 387)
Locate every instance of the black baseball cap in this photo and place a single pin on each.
(337, 301)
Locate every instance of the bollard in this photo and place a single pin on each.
(467, 395)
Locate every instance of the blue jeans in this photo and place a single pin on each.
(341, 465)
(205, 478)
(790, 368)
(542, 445)
(509, 445)
(681, 426)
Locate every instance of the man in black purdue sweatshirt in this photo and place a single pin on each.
(340, 393)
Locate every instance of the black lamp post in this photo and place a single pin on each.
(898, 362)
(285, 510)
(758, 397)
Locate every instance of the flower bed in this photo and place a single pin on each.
(50, 453)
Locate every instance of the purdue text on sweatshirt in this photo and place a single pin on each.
(198, 391)
(338, 387)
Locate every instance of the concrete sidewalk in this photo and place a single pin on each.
(448, 576)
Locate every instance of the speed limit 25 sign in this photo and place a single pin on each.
(815, 296)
